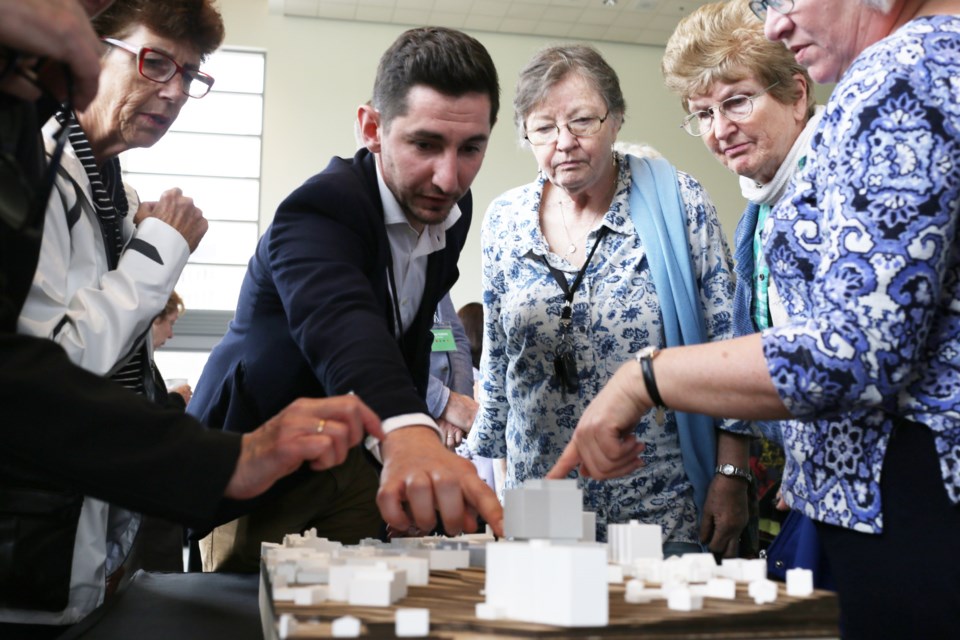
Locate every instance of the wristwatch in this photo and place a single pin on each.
(645, 357)
(732, 471)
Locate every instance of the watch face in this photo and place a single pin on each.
(726, 469)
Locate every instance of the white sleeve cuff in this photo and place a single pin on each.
(399, 422)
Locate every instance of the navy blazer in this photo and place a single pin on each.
(315, 316)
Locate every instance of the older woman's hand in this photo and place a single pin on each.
(603, 444)
(726, 513)
(178, 211)
(452, 435)
(461, 411)
(319, 432)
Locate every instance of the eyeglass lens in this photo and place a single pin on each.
(160, 67)
(580, 127)
(734, 108)
(759, 7)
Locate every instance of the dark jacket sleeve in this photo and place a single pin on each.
(328, 252)
(68, 427)
(315, 318)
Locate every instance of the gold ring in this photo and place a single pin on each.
(320, 425)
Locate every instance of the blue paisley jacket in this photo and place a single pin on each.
(865, 256)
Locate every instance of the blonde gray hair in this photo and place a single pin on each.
(724, 42)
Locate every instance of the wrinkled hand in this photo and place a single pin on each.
(184, 391)
(420, 477)
(56, 29)
(292, 437)
(178, 211)
(452, 435)
(603, 444)
(460, 411)
(726, 511)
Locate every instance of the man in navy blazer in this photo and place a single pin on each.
(339, 298)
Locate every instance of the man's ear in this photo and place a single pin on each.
(368, 122)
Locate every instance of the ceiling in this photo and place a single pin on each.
(632, 21)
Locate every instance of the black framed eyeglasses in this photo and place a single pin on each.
(736, 108)
(23, 193)
(759, 7)
(580, 127)
(160, 67)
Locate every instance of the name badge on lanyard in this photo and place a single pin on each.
(443, 339)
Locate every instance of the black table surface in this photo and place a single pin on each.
(182, 606)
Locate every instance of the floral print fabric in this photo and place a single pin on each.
(524, 415)
(864, 254)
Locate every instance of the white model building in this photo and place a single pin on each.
(544, 510)
(763, 591)
(630, 542)
(443, 559)
(412, 623)
(723, 588)
(417, 569)
(743, 570)
(589, 526)
(684, 599)
(370, 585)
(309, 540)
(547, 582)
(799, 582)
(287, 626)
(346, 627)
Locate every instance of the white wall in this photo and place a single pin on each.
(319, 71)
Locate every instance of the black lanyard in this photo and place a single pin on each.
(392, 285)
(565, 370)
(570, 289)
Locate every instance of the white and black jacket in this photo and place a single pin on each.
(98, 316)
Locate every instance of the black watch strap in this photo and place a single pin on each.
(649, 380)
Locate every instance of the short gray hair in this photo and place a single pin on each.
(551, 65)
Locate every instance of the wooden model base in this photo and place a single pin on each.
(452, 597)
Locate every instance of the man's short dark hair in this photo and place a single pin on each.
(446, 60)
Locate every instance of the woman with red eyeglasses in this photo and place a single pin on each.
(108, 262)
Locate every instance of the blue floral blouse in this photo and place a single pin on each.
(865, 255)
(524, 415)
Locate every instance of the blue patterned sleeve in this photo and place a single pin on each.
(487, 437)
(864, 251)
(712, 266)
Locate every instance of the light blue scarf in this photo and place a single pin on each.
(658, 214)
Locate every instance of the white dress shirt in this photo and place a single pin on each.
(410, 251)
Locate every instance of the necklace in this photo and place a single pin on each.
(572, 246)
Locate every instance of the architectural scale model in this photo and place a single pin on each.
(550, 571)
